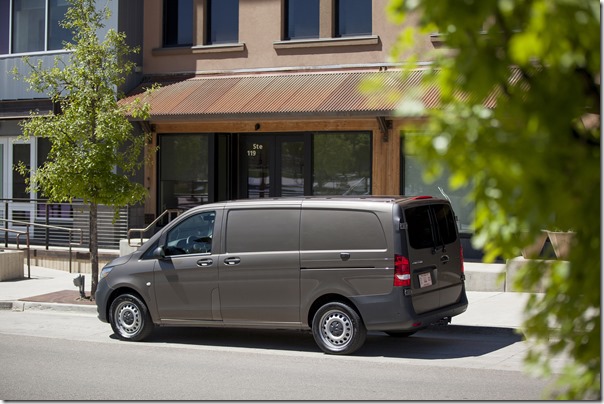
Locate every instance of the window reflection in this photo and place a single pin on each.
(342, 164)
(302, 19)
(183, 171)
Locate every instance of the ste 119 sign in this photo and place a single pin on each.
(253, 151)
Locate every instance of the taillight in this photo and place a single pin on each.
(402, 271)
(461, 258)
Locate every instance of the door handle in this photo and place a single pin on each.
(345, 256)
(232, 261)
(444, 259)
(205, 262)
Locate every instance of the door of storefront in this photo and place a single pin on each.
(272, 165)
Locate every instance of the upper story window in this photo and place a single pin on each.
(178, 23)
(32, 25)
(353, 18)
(301, 19)
(222, 22)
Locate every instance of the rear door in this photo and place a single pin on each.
(434, 255)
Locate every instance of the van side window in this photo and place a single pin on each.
(430, 226)
(191, 236)
(262, 230)
(341, 230)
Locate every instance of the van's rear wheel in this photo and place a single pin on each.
(338, 329)
(129, 318)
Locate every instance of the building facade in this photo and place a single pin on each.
(258, 99)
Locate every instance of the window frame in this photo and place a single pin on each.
(342, 6)
(288, 10)
(8, 24)
(209, 23)
(168, 19)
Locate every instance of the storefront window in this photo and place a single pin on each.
(342, 163)
(414, 184)
(184, 163)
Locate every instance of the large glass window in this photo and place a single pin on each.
(4, 25)
(353, 17)
(28, 25)
(414, 184)
(223, 21)
(57, 34)
(34, 25)
(184, 163)
(302, 19)
(342, 163)
(178, 23)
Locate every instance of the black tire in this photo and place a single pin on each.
(338, 329)
(129, 318)
(400, 334)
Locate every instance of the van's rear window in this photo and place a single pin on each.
(430, 226)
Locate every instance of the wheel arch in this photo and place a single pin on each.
(123, 290)
(329, 298)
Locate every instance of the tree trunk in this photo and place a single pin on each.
(94, 248)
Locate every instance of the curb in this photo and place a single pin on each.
(57, 307)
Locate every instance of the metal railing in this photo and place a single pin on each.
(26, 232)
(167, 212)
(51, 218)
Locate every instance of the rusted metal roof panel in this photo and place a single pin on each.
(287, 93)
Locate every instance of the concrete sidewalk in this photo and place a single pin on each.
(50, 289)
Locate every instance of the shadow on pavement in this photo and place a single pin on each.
(438, 342)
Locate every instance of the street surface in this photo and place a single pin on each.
(61, 356)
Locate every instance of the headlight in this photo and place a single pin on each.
(105, 271)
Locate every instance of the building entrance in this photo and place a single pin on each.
(273, 165)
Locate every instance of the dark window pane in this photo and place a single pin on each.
(353, 17)
(342, 164)
(223, 21)
(178, 22)
(325, 229)
(445, 221)
(184, 166)
(302, 19)
(420, 227)
(28, 25)
(263, 230)
(57, 34)
(20, 155)
(4, 25)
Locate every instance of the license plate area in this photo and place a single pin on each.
(425, 279)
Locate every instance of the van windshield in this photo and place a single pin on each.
(430, 226)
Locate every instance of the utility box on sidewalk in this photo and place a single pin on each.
(11, 265)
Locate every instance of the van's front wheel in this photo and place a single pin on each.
(129, 318)
(338, 329)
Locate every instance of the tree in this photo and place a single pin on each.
(532, 160)
(93, 145)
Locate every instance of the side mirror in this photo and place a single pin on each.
(159, 253)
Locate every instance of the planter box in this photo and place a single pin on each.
(11, 265)
(534, 250)
(561, 241)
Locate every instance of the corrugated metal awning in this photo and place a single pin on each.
(284, 95)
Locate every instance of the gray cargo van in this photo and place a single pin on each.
(339, 266)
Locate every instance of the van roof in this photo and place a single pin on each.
(331, 198)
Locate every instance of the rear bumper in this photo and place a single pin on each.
(394, 312)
